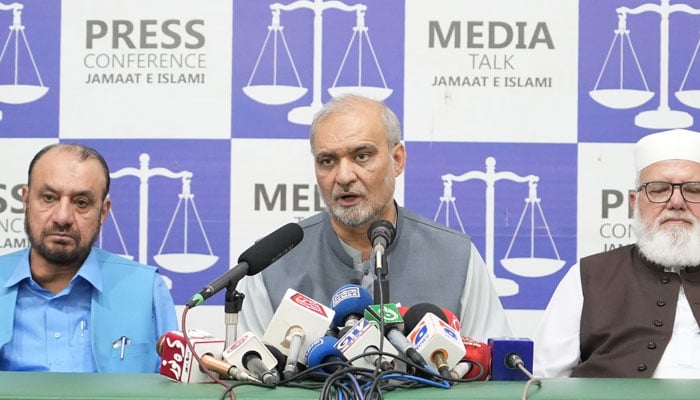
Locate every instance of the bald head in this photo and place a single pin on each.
(351, 103)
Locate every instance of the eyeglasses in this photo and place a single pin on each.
(661, 192)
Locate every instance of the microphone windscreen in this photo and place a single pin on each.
(323, 351)
(381, 229)
(480, 353)
(402, 310)
(416, 312)
(272, 247)
(452, 319)
(349, 300)
(279, 356)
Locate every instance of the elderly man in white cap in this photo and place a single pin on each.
(633, 311)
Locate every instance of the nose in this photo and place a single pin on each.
(676, 201)
(63, 212)
(345, 174)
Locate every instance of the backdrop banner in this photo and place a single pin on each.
(518, 118)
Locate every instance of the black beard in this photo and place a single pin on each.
(61, 258)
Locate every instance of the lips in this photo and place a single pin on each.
(346, 197)
(347, 200)
(61, 237)
(676, 220)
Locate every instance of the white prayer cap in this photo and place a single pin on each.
(676, 144)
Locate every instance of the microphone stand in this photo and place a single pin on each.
(381, 284)
(232, 306)
(381, 295)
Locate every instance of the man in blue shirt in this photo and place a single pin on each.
(66, 306)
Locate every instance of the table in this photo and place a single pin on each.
(66, 386)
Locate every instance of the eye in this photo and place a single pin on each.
(659, 188)
(362, 157)
(325, 161)
(48, 197)
(82, 203)
(691, 188)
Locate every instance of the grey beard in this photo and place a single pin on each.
(672, 248)
(352, 218)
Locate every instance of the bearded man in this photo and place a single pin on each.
(358, 155)
(633, 311)
(68, 306)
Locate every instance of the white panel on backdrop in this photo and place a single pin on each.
(506, 72)
(606, 178)
(146, 69)
(16, 155)
(272, 183)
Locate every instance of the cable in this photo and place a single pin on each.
(235, 384)
(196, 356)
(347, 382)
(514, 361)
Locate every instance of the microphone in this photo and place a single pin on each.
(413, 315)
(256, 258)
(322, 351)
(393, 326)
(381, 233)
(297, 319)
(438, 342)
(511, 358)
(250, 353)
(178, 363)
(363, 338)
(280, 359)
(349, 303)
(477, 353)
(451, 319)
(449, 316)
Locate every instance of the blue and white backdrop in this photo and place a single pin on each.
(518, 117)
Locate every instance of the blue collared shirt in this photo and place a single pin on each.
(52, 332)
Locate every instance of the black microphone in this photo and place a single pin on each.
(258, 257)
(381, 233)
(416, 312)
(279, 356)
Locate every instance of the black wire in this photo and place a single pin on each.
(334, 381)
(352, 382)
(235, 384)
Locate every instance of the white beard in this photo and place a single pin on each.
(676, 247)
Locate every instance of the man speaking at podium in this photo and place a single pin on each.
(66, 306)
(357, 150)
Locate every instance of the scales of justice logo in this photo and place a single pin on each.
(15, 45)
(530, 266)
(271, 90)
(180, 262)
(622, 51)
